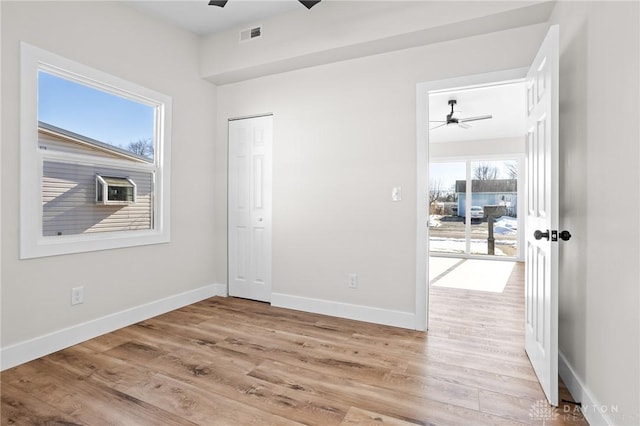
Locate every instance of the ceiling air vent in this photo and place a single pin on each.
(250, 34)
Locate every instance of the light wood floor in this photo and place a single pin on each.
(235, 362)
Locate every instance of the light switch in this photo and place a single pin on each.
(396, 194)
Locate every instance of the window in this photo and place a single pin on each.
(115, 190)
(473, 208)
(95, 169)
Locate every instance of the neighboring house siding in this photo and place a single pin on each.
(68, 201)
(50, 142)
(69, 189)
(489, 192)
(507, 199)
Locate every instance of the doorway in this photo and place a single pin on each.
(476, 156)
(542, 214)
(451, 151)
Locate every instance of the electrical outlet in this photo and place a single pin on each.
(353, 280)
(77, 295)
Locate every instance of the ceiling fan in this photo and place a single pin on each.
(460, 122)
(307, 4)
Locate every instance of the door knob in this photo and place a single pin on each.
(565, 235)
(539, 234)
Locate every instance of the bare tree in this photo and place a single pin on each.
(451, 195)
(512, 169)
(485, 171)
(435, 191)
(142, 147)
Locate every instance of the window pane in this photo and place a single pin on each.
(106, 124)
(495, 193)
(446, 208)
(69, 201)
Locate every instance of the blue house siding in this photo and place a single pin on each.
(487, 193)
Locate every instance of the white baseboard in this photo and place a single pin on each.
(221, 290)
(595, 413)
(28, 350)
(345, 310)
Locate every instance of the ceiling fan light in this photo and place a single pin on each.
(309, 4)
(220, 3)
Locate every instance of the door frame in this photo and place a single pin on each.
(422, 174)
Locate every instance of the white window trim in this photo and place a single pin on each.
(104, 193)
(32, 243)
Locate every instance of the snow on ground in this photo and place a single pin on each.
(435, 220)
(505, 225)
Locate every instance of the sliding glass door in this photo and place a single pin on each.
(473, 208)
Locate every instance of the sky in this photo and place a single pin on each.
(448, 173)
(93, 113)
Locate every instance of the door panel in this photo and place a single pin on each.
(240, 258)
(541, 279)
(250, 208)
(258, 183)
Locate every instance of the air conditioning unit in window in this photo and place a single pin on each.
(112, 190)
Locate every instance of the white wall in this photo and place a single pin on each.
(599, 272)
(344, 135)
(485, 147)
(343, 30)
(120, 41)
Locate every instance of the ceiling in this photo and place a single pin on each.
(198, 17)
(506, 103)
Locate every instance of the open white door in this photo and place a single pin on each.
(542, 173)
(249, 204)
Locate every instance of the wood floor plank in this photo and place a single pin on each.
(227, 361)
(85, 401)
(433, 387)
(393, 403)
(294, 343)
(478, 378)
(21, 408)
(252, 392)
(332, 366)
(196, 404)
(104, 342)
(357, 416)
(108, 371)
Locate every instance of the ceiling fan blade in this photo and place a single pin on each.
(309, 4)
(437, 121)
(438, 126)
(480, 117)
(463, 125)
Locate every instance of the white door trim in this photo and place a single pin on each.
(245, 117)
(422, 174)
